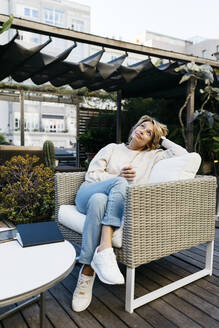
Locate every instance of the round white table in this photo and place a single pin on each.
(30, 271)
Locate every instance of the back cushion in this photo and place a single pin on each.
(176, 168)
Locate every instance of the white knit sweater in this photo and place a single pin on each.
(109, 161)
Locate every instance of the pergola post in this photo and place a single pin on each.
(22, 116)
(77, 134)
(118, 116)
(189, 114)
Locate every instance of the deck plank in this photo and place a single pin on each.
(15, 320)
(63, 292)
(116, 305)
(171, 305)
(150, 312)
(55, 313)
(31, 315)
(205, 301)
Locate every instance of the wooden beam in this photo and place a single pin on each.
(55, 99)
(48, 89)
(118, 116)
(22, 116)
(77, 135)
(189, 114)
(68, 34)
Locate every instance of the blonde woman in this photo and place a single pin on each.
(101, 198)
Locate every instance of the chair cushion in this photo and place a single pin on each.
(70, 217)
(175, 168)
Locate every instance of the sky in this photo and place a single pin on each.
(178, 18)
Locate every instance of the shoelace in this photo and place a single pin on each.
(82, 285)
(110, 259)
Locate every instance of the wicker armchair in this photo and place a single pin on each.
(159, 220)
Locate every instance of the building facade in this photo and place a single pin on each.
(53, 121)
(196, 46)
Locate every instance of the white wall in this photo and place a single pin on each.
(3, 116)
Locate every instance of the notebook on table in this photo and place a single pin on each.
(32, 234)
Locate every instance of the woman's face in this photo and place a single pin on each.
(143, 134)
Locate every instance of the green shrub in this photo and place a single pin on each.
(26, 190)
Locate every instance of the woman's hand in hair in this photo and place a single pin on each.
(128, 173)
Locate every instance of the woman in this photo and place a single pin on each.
(101, 198)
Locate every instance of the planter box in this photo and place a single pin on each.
(6, 152)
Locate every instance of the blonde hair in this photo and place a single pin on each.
(159, 131)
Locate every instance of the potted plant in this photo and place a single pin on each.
(26, 190)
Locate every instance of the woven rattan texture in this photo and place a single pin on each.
(159, 219)
(162, 219)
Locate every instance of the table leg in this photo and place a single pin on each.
(19, 307)
(42, 310)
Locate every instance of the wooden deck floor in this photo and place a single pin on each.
(196, 305)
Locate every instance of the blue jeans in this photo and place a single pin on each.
(103, 204)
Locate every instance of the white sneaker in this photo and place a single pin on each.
(105, 265)
(83, 292)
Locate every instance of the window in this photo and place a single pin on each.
(31, 121)
(53, 17)
(20, 36)
(35, 13)
(204, 53)
(16, 123)
(77, 25)
(34, 38)
(26, 11)
(59, 18)
(53, 123)
(48, 16)
(31, 12)
(78, 52)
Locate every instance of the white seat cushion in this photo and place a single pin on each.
(70, 217)
(175, 168)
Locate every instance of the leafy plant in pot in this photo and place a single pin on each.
(26, 190)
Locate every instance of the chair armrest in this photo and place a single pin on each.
(66, 187)
(161, 219)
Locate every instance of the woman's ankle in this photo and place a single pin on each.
(104, 246)
(87, 270)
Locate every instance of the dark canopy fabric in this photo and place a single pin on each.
(142, 79)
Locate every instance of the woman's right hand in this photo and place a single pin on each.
(128, 173)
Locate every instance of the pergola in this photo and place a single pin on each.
(142, 79)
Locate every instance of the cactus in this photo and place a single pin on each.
(49, 154)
